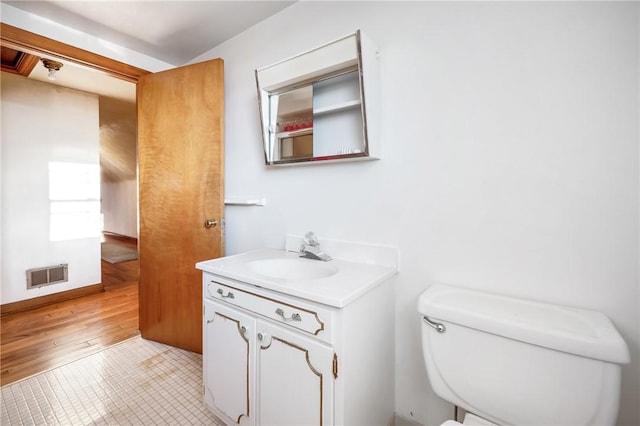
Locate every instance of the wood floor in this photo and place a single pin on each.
(39, 339)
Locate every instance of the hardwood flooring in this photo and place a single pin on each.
(39, 339)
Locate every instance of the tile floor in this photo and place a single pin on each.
(136, 382)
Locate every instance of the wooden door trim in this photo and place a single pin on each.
(25, 41)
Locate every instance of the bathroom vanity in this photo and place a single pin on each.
(294, 341)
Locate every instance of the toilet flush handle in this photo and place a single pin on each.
(440, 328)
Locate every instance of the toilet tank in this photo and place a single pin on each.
(519, 362)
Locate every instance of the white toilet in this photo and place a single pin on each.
(517, 362)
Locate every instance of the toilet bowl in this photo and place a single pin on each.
(469, 420)
(503, 359)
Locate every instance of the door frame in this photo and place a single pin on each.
(28, 42)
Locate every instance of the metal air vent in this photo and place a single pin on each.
(37, 277)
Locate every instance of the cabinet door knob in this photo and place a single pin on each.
(264, 339)
(210, 223)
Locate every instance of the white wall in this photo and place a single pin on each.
(510, 158)
(120, 207)
(42, 123)
(119, 189)
(44, 27)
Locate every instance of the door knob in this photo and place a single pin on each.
(210, 223)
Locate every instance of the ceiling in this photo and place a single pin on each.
(172, 31)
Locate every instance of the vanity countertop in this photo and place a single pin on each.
(335, 283)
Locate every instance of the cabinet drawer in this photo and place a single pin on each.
(312, 319)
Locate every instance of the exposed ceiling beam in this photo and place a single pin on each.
(25, 41)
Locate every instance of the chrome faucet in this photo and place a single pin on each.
(310, 248)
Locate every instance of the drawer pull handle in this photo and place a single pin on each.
(229, 295)
(293, 317)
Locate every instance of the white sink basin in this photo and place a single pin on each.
(335, 283)
(292, 268)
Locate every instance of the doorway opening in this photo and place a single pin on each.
(91, 329)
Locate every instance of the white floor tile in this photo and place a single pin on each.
(137, 382)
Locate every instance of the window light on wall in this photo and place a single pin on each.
(74, 196)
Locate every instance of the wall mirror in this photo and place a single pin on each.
(312, 106)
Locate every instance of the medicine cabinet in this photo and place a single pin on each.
(322, 105)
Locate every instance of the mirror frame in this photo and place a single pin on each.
(268, 118)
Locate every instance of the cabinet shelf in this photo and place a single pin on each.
(337, 107)
(294, 133)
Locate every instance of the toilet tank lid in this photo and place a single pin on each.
(578, 331)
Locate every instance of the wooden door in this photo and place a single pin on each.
(181, 185)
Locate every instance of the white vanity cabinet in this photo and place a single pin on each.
(258, 373)
(272, 358)
(227, 366)
(294, 378)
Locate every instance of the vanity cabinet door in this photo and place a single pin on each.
(295, 380)
(228, 362)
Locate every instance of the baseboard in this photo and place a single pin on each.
(403, 421)
(120, 236)
(36, 302)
